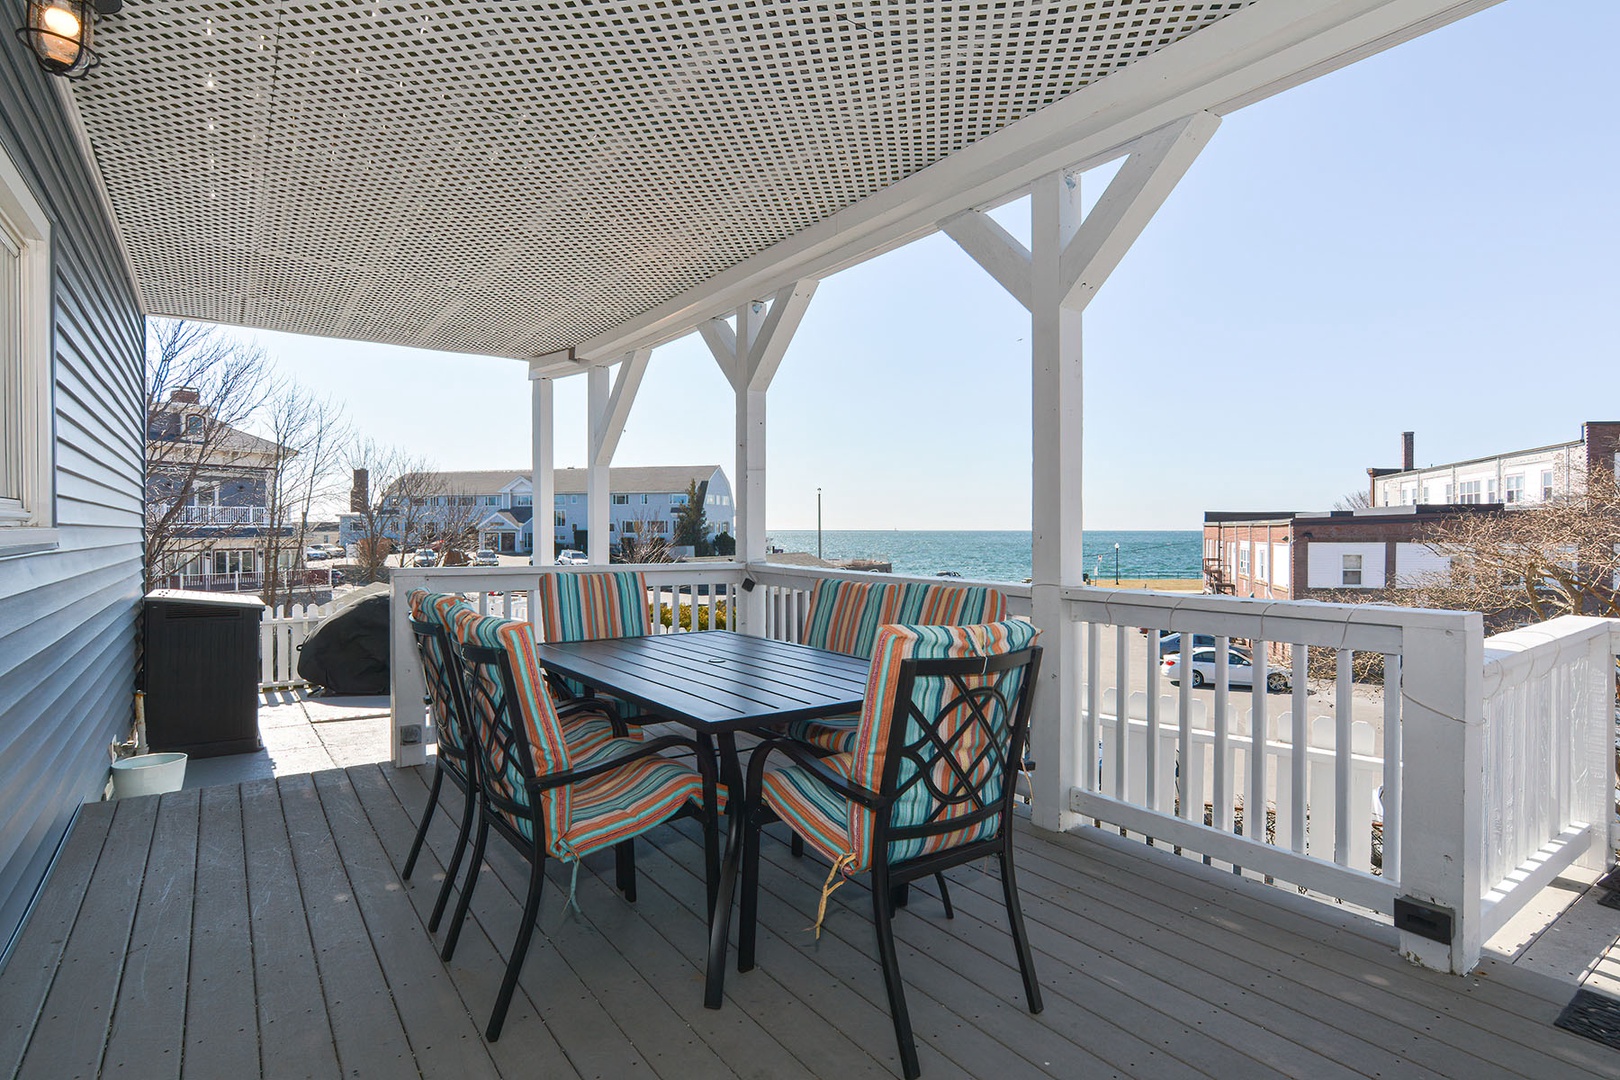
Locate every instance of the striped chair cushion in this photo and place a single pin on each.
(918, 805)
(920, 604)
(580, 817)
(809, 807)
(835, 733)
(844, 615)
(934, 604)
(442, 609)
(589, 607)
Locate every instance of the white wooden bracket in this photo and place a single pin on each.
(609, 427)
(749, 359)
(1157, 162)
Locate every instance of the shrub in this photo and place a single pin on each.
(666, 617)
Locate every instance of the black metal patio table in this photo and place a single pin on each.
(718, 683)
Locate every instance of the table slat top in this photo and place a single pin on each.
(716, 679)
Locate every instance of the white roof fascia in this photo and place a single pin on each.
(1253, 54)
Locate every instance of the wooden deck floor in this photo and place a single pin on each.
(263, 929)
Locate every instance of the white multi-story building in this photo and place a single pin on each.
(643, 498)
(1515, 478)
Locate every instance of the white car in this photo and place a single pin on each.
(486, 557)
(425, 557)
(1239, 670)
(571, 557)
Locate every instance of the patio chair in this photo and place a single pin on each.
(929, 785)
(590, 607)
(835, 621)
(433, 619)
(548, 800)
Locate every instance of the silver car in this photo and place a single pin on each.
(1239, 669)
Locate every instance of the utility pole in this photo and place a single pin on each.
(818, 523)
(1116, 562)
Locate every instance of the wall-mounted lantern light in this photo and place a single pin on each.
(58, 31)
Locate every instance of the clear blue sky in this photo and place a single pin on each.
(1426, 240)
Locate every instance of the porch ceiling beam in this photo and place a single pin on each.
(1246, 57)
(605, 439)
(781, 322)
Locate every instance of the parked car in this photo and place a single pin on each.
(1171, 643)
(571, 557)
(486, 557)
(425, 557)
(336, 551)
(1239, 669)
(315, 554)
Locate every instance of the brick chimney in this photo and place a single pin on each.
(1408, 462)
(360, 494)
(184, 395)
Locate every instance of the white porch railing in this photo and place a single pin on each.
(1506, 763)
(1549, 770)
(224, 515)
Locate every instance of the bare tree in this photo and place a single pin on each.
(1531, 564)
(1355, 500)
(202, 387)
(392, 514)
(643, 539)
(311, 437)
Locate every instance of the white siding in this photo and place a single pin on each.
(1325, 565)
(1413, 561)
(68, 616)
(1280, 565)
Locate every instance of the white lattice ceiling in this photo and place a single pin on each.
(513, 178)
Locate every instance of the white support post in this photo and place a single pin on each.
(544, 482)
(749, 355)
(596, 472)
(407, 687)
(1057, 395)
(1443, 785)
(1056, 279)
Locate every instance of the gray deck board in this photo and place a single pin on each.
(294, 1038)
(366, 1027)
(147, 1038)
(222, 1025)
(265, 930)
(37, 957)
(71, 1034)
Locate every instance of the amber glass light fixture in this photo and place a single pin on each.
(58, 32)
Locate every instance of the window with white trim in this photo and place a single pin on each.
(1262, 562)
(1243, 557)
(1468, 492)
(1546, 485)
(621, 500)
(25, 368)
(1351, 570)
(1513, 489)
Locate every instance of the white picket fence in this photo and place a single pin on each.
(279, 639)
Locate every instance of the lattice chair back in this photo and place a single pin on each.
(934, 604)
(519, 735)
(844, 615)
(433, 620)
(941, 737)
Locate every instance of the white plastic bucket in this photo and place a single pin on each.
(148, 774)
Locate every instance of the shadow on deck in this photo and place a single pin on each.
(263, 929)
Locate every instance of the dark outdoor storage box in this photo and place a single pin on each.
(202, 672)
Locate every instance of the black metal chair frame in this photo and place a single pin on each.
(497, 812)
(446, 696)
(925, 754)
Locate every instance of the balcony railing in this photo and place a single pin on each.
(1389, 715)
(237, 516)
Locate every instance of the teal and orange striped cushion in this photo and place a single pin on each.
(809, 807)
(934, 604)
(844, 615)
(834, 733)
(589, 607)
(625, 803)
(441, 609)
(919, 805)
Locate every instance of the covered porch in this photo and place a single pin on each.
(263, 929)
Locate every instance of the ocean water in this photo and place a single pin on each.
(1004, 555)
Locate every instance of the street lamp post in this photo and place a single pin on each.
(1116, 564)
(818, 523)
